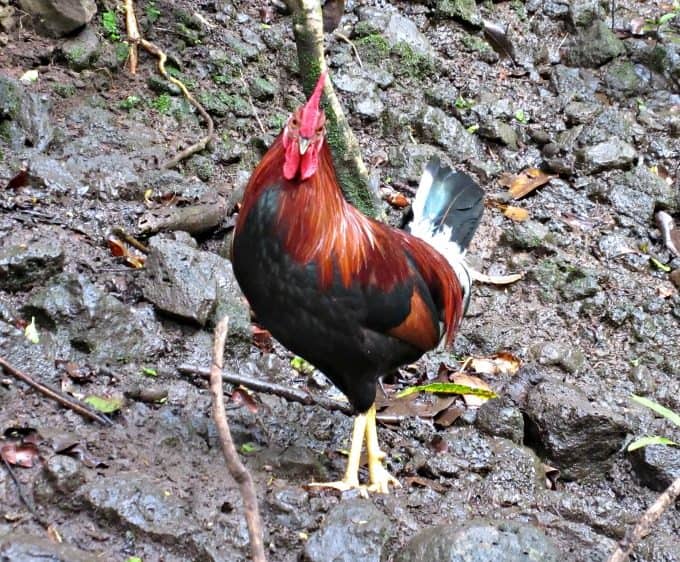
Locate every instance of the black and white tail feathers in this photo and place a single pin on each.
(446, 212)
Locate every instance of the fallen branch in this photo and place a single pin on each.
(259, 385)
(644, 526)
(63, 399)
(352, 172)
(135, 38)
(234, 464)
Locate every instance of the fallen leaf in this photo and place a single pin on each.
(478, 391)
(516, 213)
(24, 455)
(118, 250)
(20, 179)
(104, 405)
(241, 397)
(262, 338)
(525, 182)
(54, 535)
(502, 363)
(449, 416)
(397, 200)
(31, 332)
(495, 279)
(449, 388)
(425, 483)
(420, 405)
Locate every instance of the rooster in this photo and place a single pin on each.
(353, 296)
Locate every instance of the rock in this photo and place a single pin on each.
(433, 125)
(246, 51)
(370, 105)
(501, 418)
(580, 112)
(141, 505)
(606, 155)
(8, 18)
(21, 547)
(463, 450)
(528, 235)
(52, 175)
(60, 17)
(630, 202)
(594, 46)
(262, 89)
(570, 358)
(62, 476)
(643, 180)
(579, 435)
(27, 259)
(499, 131)
(400, 29)
(194, 285)
(353, 530)
(582, 13)
(622, 80)
(573, 83)
(82, 50)
(578, 284)
(93, 321)
(657, 466)
(465, 10)
(480, 540)
(24, 117)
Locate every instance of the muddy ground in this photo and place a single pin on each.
(541, 473)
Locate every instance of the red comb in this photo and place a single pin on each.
(310, 110)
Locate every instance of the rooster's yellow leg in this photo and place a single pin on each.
(380, 479)
(351, 479)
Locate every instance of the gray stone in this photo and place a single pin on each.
(480, 540)
(370, 105)
(353, 530)
(581, 112)
(570, 358)
(400, 29)
(60, 17)
(95, 322)
(607, 155)
(465, 10)
(194, 285)
(21, 547)
(582, 13)
(140, 504)
(594, 46)
(27, 259)
(528, 235)
(61, 477)
(573, 83)
(82, 50)
(465, 450)
(262, 89)
(499, 131)
(501, 418)
(657, 466)
(580, 435)
(622, 80)
(643, 180)
(630, 202)
(52, 175)
(433, 125)
(24, 116)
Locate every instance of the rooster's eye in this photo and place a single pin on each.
(319, 130)
(294, 123)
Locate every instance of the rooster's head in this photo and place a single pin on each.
(303, 136)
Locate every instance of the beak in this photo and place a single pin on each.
(304, 144)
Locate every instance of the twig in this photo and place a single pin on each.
(644, 526)
(258, 385)
(20, 492)
(347, 40)
(234, 464)
(122, 233)
(64, 400)
(136, 38)
(252, 105)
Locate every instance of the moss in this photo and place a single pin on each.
(475, 44)
(373, 48)
(412, 64)
(64, 90)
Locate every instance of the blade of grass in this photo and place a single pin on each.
(651, 440)
(448, 388)
(658, 408)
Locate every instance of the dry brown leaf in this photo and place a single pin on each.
(425, 483)
(423, 405)
(397, 200)
(503, 363)
(525, 182)
(494, 279)
(516, 213)
(449, 416)
(24, 455)
(471, 400)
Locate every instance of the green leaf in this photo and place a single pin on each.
(104, 405)
(448, 388)
(658, 408)
(248, 448)
(650, 440)
(149, 372)
(301, 366)
(472, 129)
(659, 265)
(667, 17)
(521, 116)
(133, 559)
